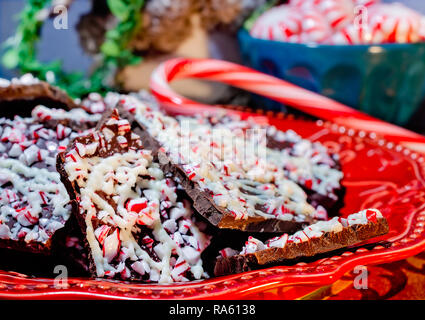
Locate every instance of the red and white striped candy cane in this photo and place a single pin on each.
(273, 88)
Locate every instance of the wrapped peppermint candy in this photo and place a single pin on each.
(290, 24)
(357, 34)
(422, 29)
(341, 22)
(282, 23)
(338, 13)
(384, 23)
(366, 3)
(314, 27)
(397, 23)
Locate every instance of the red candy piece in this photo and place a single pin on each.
(148, 242)
(136, 205)
(122, 141)
(123, 127)
(321, 213)
(101, 233)
(308, 183)
(62, 132)
(25, 218)
(111, 246)
(40, 114)
(371, 215)
(9, 195)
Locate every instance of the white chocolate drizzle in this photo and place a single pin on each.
(135, 226)
(34, 202)
(240, 172)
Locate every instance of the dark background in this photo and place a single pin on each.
(54, 44)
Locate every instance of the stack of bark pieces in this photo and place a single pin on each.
(137, 195)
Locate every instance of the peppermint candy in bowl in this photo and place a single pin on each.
(337, 13)
(280, 23)
(364, 53)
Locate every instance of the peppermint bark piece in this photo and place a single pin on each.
(322, 237)
(230, 182)
(308, 164)
(34, 202)
(134, 225)
(20, 95)
(66, 251)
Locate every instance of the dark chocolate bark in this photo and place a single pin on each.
(220, 217)
(333, 201)
(202, 200)
(132, 251)
(329, 196)
(66, 252)
(293, 251)
(19, 99)
(30, 218)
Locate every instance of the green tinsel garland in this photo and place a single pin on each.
(21, 53)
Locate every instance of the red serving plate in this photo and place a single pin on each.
(377, 173)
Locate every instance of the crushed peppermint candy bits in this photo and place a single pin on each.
(340, 22)
(34, 203)
(309, 164)
(246, 173)
(135, 226)
(321, 237)
(234, 179)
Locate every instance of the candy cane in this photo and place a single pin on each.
(271, 87)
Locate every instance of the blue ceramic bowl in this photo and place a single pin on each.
(386, 81)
